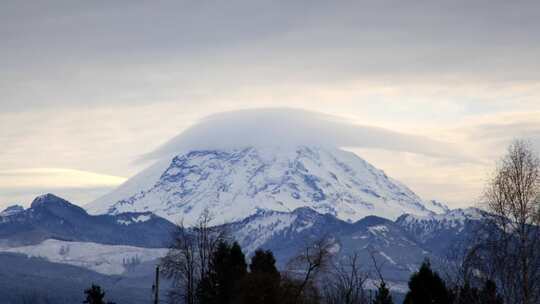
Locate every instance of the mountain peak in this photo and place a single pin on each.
(51, 203)
(47, 198)
(236, 183)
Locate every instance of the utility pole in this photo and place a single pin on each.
(156, 287)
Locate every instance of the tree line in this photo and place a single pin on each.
(221, 275)
(311, 278)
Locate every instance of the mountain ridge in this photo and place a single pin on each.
(401, 245)
(50, 216)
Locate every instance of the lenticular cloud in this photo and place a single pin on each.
(293, 127)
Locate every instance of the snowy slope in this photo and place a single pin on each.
(105, 259)
(453, 219)
(235, 183)
(286, 234)
(263, 227)
(444, 232)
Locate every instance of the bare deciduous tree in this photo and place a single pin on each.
(306, 267)
(188, 258)
(461, 263)
(513, 197)
(345, 283)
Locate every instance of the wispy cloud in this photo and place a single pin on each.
(56, 178)
(22, 185)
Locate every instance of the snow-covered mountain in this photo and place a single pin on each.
(236, 183)
(287, 233)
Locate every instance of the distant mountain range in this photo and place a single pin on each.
(51, 217)
(401, 245)
(61, 232)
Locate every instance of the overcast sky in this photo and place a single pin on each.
(88, 88)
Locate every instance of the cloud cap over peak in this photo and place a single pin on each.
(286, 127)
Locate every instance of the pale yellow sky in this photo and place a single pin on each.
(82, 155)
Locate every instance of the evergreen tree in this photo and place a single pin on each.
(264, 262)
(261, 285)
(426, 287)
(383, 296)
(237, 262)
(489, 295)
(221, 272)
(467, 295)
(206, 292)
(471, 295)
(237, 270)
(227, 269)
(94, 295)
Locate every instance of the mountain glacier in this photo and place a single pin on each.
(236, 183)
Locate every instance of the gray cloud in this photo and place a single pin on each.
(81, 53)
(495, 135)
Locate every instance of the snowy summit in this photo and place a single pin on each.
(235, 179)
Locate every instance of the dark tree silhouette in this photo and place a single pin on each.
(426, 287)
(382, 295)
(467, 295)
(489, 295)
(264, 262)
(472, 295)
(237, 263)
(94, 295)
(226, 270)
(262, 284)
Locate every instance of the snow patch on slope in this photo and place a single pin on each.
(135, 219)
(437, 207)
(378, 230)
(387, 257)
(105, 259)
